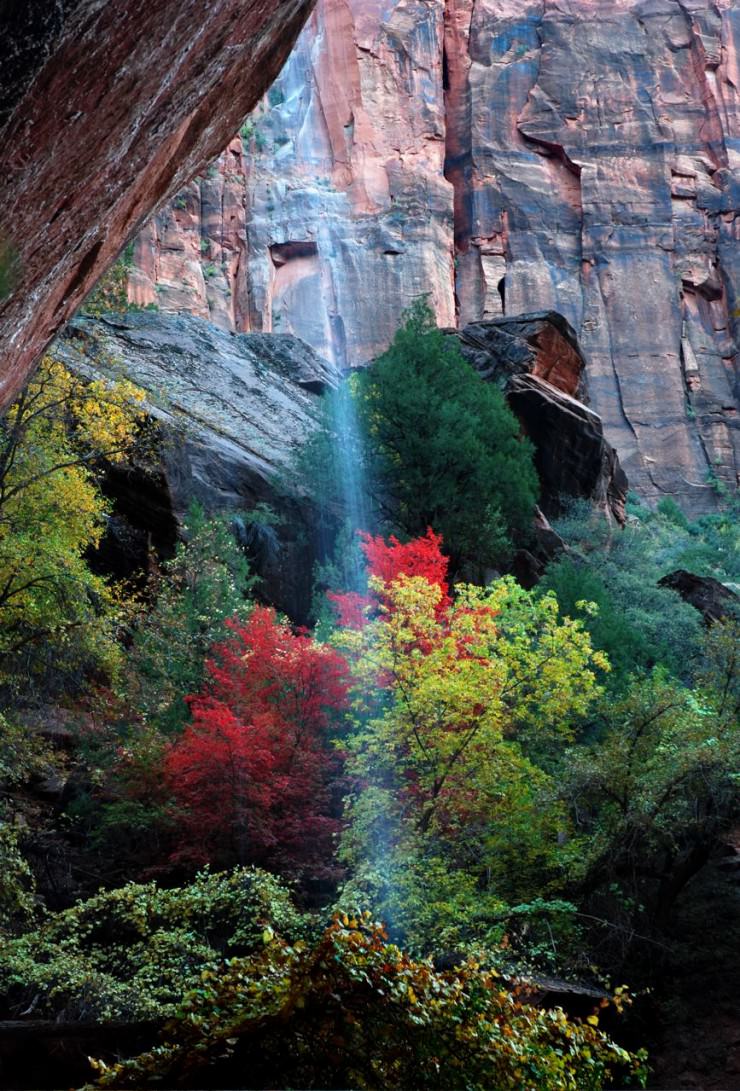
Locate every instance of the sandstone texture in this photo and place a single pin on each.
(339, 215)
(536, 360)
(232, 410)
(504, 156)
(106, 109)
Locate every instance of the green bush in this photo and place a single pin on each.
(16, 881)
(134, 952)
(639, 624)
(436, 447)
(206, 582)
(443, 449)
(652, 794)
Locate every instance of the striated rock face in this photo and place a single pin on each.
(105, 110)
(233, 409)
(505, 156)
(601, 179)
(348, 215)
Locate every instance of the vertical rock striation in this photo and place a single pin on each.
(348, 214)
(504, 156)
(604, 164)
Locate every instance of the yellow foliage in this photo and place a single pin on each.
(52, 511)
(455, 707)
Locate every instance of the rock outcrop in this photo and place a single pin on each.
(504, 156)
(712, 599)
(106, 109)
(537, 362)
(232, 410)
(543, 345)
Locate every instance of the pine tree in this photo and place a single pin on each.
(443, 449)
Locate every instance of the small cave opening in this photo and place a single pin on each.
(445, 71)
(142, 528)
(283, 252)
(502, 293)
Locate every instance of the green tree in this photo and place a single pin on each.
(443, 448)
(206, 582)
(651, 796)
(638, 623)
(460, 709)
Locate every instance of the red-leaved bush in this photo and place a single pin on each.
(387, 561)
(253, 773)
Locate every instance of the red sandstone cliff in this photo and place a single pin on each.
(105, 110)
(502, 155)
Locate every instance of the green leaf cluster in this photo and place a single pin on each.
(640, 624)
(206, 582)
(443, 449)
(352, 1010)
(57, 618)
(434, 446)
(132, 953)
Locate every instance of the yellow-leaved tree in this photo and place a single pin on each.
(460, 704)
(56, 615)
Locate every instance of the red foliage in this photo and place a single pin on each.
(419, 557)
(387, 561)
(253, 773)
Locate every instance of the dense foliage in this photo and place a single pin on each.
(639, 623)
(516, 783)
(352, 1010)
(56, 616)
(206, 582)
(131, 953)
(458, 704)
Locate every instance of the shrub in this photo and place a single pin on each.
(355, 1011)
(439, 447)
(253, 774)
(132, 953)
(443, 448)
(638, 624)
(206, 582)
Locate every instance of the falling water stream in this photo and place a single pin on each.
(352, 483)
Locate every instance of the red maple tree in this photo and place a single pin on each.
(253, 774)
(387, 561)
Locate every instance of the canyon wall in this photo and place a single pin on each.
(503, 156)
(106, 109)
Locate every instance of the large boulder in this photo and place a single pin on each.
(106, 109)
(712, 599)
(232, 410)
(536, 360)
(543, 344)
(572, 457)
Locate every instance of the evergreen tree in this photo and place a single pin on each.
(443, 449)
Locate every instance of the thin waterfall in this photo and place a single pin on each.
(351, 483)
